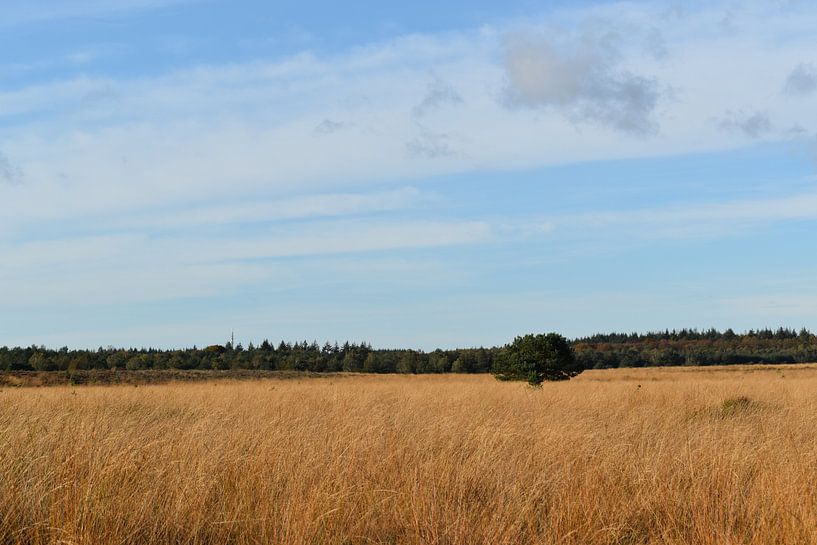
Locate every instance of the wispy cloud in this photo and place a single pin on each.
(439, 94)
(22, 12)
(702, 220)
(328, 126)
(802, 80)
(774, 307)
(308, 207)
(9, 172)
(93, 52)
(430, 145)
(129, 268)
(751, 124)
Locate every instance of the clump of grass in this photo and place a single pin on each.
(739, 405)
(731, 407)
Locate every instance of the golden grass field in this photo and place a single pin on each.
(417, 460)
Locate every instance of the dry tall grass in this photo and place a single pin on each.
(437, 460)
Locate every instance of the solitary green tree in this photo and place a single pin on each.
(536, 358)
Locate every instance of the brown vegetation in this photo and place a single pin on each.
(135, 378)
(634, 456)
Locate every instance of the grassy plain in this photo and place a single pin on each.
(637, 456)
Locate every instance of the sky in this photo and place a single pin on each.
(417, 174)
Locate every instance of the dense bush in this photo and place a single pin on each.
(536, 358)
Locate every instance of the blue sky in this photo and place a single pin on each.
(417, 175)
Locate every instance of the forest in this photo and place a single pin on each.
(687, 347)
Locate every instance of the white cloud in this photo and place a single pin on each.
(582, 78)
(257, 127)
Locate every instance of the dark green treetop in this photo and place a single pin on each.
(536, 358)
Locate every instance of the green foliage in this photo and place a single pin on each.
(117, 360)
(685, 347)
(536, 358)
(408, 362)
(40, 362)
(371, 364)
(692, 347)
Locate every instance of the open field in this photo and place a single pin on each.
(631, 456)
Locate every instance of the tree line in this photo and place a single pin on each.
(693, 347)
(663, 348)
(301, 356)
